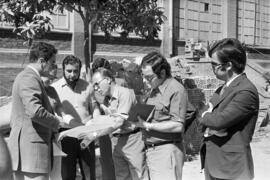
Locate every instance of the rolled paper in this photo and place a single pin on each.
(85, 143)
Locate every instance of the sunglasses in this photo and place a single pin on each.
(215, 64)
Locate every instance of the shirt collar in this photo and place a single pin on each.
(115, 92)
(164, 85)
(34, 69)
(231, 80)
(63, 82)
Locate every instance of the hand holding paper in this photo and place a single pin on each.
(87, 139)
(103, 123)
(105, 109)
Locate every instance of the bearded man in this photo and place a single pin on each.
(76, 94)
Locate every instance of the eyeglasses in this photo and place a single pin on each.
(215, 64)
(97, 85)
(149, 78)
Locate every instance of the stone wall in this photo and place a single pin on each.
(200, 82)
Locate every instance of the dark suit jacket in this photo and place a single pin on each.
(32, 123)
(236, 110)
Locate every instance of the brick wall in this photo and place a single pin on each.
(200, 83)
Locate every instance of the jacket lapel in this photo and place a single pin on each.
(228, 90)
(45, 96)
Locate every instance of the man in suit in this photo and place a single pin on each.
(32, 118)
(231, 117)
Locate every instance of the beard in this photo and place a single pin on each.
(71, 82)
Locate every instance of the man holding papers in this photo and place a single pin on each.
(163, 133)
(76, 96)
(127, 141)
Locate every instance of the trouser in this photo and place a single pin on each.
(106, 159)
(20, 175)
(129, 157)
(86, 158)
(165, 161)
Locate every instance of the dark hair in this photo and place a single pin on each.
(41, 50)
(105, 73)
(100, 62)
(158, 63)
(70, 59)
(230, 50)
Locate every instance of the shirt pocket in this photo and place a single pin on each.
(162, 112)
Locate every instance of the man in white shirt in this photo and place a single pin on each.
(76, 96)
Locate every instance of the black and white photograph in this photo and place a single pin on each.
(134, 89)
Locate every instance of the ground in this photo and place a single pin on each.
(261, 156)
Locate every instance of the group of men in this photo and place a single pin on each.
(134, 149)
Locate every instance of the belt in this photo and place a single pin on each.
(152, 145)
(125, 134)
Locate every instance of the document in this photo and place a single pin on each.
(99, 123)
(105, 124)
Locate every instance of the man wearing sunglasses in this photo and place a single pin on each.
(231, 118)
(127, 144)
(163, 134)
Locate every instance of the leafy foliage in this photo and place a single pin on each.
(143, 17)
(31, 17)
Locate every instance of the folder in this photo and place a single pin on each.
(145, 111)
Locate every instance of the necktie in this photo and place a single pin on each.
(154, 92)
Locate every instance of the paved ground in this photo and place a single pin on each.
(261, 156)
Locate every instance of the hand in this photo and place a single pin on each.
(62, 123)
(105, 109)
(88, 123)
(87, 138)
(129, 126)
(210, 107)
(67, 118)
(209, 110)
(87, 120)
(144, 125)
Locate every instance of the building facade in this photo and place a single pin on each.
(200, 20)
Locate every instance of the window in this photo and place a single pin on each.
(206, 7)
(60, 20)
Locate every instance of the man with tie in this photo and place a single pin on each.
(127, 144)
(231, 118)
(32, 120)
